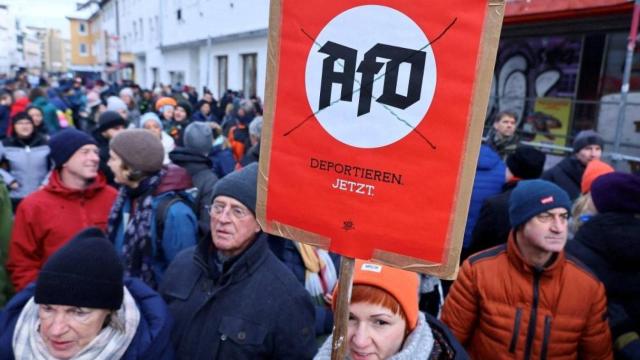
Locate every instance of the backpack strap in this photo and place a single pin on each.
(161, 215)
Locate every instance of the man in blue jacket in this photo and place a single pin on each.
(230, 296)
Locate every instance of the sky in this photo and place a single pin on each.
(43, 13)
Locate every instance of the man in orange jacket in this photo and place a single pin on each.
(527, 299)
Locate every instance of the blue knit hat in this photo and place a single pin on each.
(241, 185)
(65, 143)
(533, 197)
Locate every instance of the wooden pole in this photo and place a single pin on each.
(341, 316)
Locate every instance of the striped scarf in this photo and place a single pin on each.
(320, 275)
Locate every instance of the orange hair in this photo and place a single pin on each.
(377, 296)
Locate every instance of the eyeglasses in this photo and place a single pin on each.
(547, 217)
(235, 212)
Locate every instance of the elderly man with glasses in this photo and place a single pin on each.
(230, 296)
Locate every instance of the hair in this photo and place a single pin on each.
(377, 296)
(134, 175)
(112, 320)
(582, 206)
(502, 114)
(36, 93)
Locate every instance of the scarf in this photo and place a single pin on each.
(109, 344)
(320, 275)
(418, 345)
(137, 248)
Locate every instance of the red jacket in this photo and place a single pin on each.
(48, 218)
(500, 307)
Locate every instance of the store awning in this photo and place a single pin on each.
(520, 11)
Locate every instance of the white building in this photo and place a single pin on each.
(218, 44)
(8, 40)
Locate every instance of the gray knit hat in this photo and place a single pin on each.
(139, 149)
(198, 137)
(241, 185)
(586, 138)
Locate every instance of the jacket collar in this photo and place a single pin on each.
(520, 263)
(242, 266)
(56, 186)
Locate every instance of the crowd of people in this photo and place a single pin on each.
(128, 230)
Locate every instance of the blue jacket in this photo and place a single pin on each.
(151, 340)
(180, 223)
(490, 176)
(250, 307)
(180, 232)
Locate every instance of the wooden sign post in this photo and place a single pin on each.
(373, 118)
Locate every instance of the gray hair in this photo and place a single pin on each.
(255, 127)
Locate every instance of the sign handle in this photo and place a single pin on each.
(341, 316)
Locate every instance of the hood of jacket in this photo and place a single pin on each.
(614, 237)
(56, 186)
(175, 179)
(190, 160)
(488, 159)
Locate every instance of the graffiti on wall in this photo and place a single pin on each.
(530, 68)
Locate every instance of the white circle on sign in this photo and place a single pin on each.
(361, 29)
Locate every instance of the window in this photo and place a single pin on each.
(83, 49)
(222, 75)
(82, 28)
(249, 74)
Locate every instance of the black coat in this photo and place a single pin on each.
(203, 178)
(567, 174)
(493, 224)
(252, 307)
(609, 244)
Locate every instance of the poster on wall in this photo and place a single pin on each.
(373, 120)
(533, 67)
(549, 121)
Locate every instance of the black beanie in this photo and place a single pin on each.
(186, 106)
(110, 119)
(21, 116)
(526, 162)
(241, 185)
(85, 272)
(65, 143)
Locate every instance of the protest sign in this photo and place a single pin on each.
(373, 119)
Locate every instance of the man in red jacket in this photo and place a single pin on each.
(527, 299)
(76, 197)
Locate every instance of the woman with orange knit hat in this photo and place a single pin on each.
(385, 323)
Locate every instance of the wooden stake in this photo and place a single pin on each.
(341, 316)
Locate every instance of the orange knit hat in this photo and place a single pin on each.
(165, 101)
(401, 284)
(594, 169)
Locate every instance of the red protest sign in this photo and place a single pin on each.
(373, 118)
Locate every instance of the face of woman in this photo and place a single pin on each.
(154, 128)
(179, 114)
(24, 129)
(66, 330)
(36, 116)
(374, 332)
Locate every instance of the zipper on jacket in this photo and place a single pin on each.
(531, 332)
(545, 338)
(516, 331)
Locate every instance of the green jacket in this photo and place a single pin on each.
(50, 114)
(6, 219)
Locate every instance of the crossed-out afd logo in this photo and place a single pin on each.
(370, 76)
